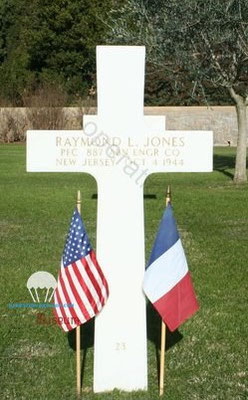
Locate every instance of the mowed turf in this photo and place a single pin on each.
(207, 358)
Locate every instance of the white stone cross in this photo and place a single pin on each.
(120, 147)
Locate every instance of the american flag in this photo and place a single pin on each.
(82, 289)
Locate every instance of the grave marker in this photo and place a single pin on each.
(120, 147)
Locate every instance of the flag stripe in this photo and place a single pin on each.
(165, 242)
(58, 314)
(65, 319)
(89, 279)
(77, 309)
(62, 288)
(80, 292)
(88, 267)
(86, 285)
(78, 299)
(165, 272)
(178, 304)
(101, 281)
(61, 293)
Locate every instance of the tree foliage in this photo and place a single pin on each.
(182, 38)
(45, 42)
(202, 45)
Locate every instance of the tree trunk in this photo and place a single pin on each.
(240, 175)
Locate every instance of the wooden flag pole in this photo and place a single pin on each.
(78, 363)
(163, 327)
(162, 356)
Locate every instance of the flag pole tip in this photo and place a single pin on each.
(78, 196)
(168, 194)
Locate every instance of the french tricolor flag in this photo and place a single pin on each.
(167, 281)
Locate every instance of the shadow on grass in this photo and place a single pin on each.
(223, 163)
(154, 333)
(86, 341)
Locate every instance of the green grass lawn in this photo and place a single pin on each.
(206, 359)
